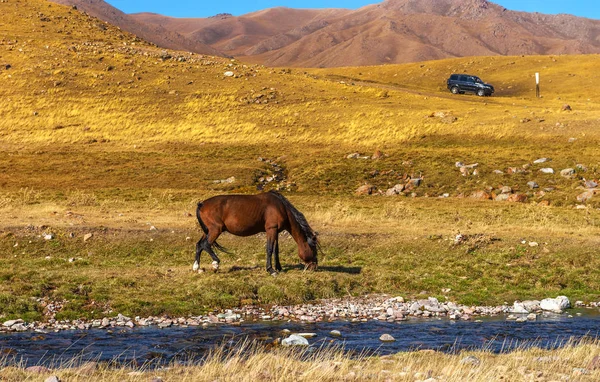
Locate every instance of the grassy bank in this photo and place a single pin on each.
(573, 362)
(400, 246)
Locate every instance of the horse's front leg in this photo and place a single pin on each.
(271, 244)
(277, 263)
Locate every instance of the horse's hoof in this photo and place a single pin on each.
(195, 266)
(215, 265)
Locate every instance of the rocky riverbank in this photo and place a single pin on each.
(363, 309)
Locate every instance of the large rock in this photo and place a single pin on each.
(294, 340)
(386, 338)
(556, 305)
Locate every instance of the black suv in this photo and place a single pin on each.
(461, 83)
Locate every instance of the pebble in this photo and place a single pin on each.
(470, 360)
(355, 309)
(335, 333)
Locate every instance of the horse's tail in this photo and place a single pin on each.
(205, 230)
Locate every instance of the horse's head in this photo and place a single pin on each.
(311, 251)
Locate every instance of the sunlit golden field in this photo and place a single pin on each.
(102, 133)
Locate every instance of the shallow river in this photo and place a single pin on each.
(150, 344)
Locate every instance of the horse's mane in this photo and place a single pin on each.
(309, 234)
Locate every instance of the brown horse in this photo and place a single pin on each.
(246, 215)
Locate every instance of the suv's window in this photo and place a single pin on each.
(462, 78)
(454, 77)
(478, 80)
(471, 79)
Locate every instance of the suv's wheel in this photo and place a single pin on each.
(455, 90)
(481, 92)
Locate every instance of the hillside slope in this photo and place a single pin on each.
(153, 33)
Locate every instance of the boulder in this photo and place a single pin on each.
(556, 305)
(294, 340)
(386, 338)
(547, 170)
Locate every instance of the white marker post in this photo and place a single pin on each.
(537, 85)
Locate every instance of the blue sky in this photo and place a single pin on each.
(204, 8)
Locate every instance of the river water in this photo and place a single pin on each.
(159, 346)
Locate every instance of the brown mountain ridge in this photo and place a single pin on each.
(394, 31)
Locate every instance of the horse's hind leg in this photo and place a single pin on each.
(208, 247)
(199, 247)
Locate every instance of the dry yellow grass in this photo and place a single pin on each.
(572, 362)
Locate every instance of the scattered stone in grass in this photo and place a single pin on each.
(547, 170)
(517, 198)
(521, 319)
(353, 156)
(87, 236)
(532, 316)
(566, 107)
(152, 228)
(366, 189)
(498, 172)
(532, 185)
(53, 378)
(541, 160)
(470, 360)
(386, 338)
(533, 244)
(378, 155)
(594, 363)
(567, 172)
(228, 74)
(49, 236)
(482, 195)
(590, 184)
(585, 196)
(396, 190)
